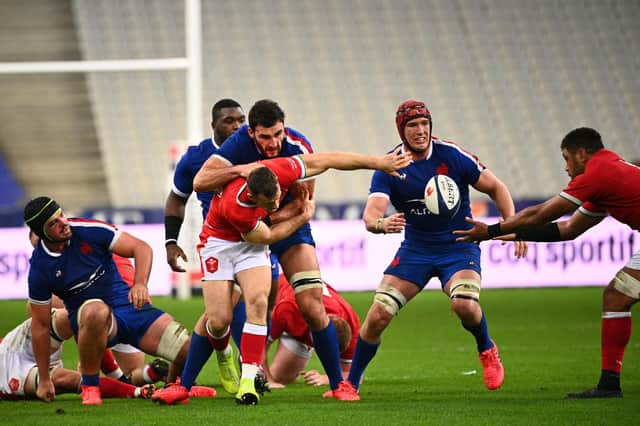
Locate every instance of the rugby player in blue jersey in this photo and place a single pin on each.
(74, 262)
(429, 248)
(267, 137)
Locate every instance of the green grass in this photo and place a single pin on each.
(549, 341)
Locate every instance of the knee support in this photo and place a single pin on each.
(627, 285)
(465, 288)
(56, 340)
(390, 298)
(305, 280)
(172, 340)
(88, 301)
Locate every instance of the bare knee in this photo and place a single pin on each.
(468, 311)
(377, 320)
(312, 309)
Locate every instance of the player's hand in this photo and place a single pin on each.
(477, 233)
(46, 391)
(398, 159)
(308, 206)
(174, 252)
(314, 378)
(245, 169)
(394, 223)
(520, 248)
(139, 295)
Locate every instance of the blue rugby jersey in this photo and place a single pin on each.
(407, 194)
(187, 168)
(84, 270)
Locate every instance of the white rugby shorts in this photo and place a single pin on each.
(222, 260)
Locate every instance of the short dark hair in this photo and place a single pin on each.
(222, 103)
(262, 181)
(582, 137)
(265, 113)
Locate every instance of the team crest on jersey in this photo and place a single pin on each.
(395, 262)
(85, 248)
(14, 384)
(211, 263)
(58, 273)
(442, 169)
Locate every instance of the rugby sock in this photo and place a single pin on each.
(151, 376)
(237, 322)
(200, 351)
(112, 388)
(253, 341)
(615, 335)
(219, 343)
(90, 380)
(363, 354)
(481, 333)
(325, 343)
(109, 366)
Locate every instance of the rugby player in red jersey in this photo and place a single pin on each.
(602, 183)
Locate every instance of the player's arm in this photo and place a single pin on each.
(374, 219)
(539, 214)
(216, 173)
(497, 191)
(263, 234)
(40, 324)
(320, 162)
(564, 230)
(173, 217)
(129, 246)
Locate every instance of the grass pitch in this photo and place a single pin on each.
(426, 372)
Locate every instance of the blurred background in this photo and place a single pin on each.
(505, 79)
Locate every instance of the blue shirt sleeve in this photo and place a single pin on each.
(183, 176)
(39, 290)
(239, 148)
(380, 183)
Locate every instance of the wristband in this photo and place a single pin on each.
(380, 225)
(172, 226)
(170, 241)
(494, 230)
(542, 233)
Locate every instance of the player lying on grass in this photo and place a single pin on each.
(295, 345)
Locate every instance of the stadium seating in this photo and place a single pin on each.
(504, 79)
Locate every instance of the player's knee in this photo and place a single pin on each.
(216, 325)
(95, 314)
(390, 299)
(621, 293)
(172, 341)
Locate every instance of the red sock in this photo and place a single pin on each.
(112, 388)
(109, 364)
(616, 333)
(220, 343)
(252, 343)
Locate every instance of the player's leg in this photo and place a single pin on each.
(300, 265)
(289, 359)
(392, 294)
(132, 362)
(95, 325)
(255, 282)
(463, 289)
(618, 298)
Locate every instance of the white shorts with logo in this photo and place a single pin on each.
(222, 260)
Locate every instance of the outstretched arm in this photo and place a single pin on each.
(320, 162)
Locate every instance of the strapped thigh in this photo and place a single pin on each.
(306, 280)
(627, 285)
(465, 288)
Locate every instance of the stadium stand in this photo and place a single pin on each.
(505, 79)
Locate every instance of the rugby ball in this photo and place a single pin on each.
(442, 196)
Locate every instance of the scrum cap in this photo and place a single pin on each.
(409, 110)
(38, 212)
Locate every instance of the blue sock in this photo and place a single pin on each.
(200, 351)
(325, 343)
(90, 380)
(481, 333)
(363, 354)
(237, 322)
